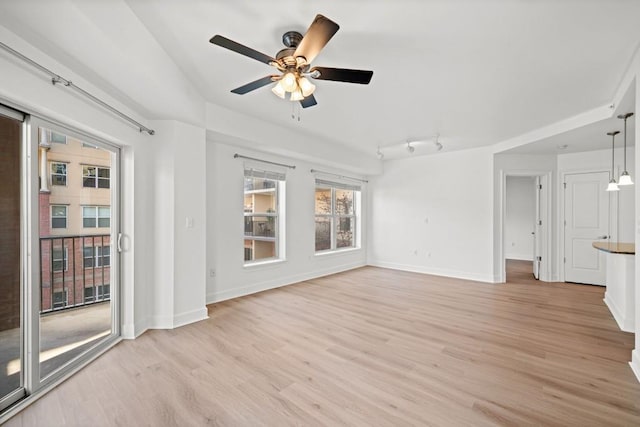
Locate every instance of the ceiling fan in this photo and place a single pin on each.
(293, 63)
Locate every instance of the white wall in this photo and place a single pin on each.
(520, 216)
(433, 214)
(225, 229)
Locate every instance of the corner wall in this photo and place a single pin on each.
(433, 214)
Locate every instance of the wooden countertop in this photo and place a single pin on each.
(616, 247)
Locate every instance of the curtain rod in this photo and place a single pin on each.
(339, 176)
(55, 78)
(236, 156)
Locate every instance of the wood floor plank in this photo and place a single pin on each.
(367, 347)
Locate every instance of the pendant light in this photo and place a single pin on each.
(613, 186)
(625, 178)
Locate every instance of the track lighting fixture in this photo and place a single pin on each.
(625, 178)
(613, 185)
(410, 148)
(437, 142)
(379, 154)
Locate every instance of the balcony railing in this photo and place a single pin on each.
(74, 271)
(259, 228)
(258, 184)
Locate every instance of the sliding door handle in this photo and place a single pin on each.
(119, 242)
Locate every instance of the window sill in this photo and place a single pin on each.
(336, 252)
(264, 263)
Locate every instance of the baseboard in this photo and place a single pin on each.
(160, 322)
(214, 297)
(617, 314)
(635, 363)
(190, 317)
(465, 275)
(132, 331)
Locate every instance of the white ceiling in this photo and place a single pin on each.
(476, 72)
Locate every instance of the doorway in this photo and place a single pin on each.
(525, 222)
(521, 214)
(58, 252)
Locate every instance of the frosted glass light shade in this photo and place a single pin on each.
(625, 179)
(296, 95)
(289, 82)
(279, 90)
(613, 186)
(306, 86)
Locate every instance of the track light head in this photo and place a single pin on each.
(410, 148)
(379, 154)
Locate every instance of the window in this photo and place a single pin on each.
(60, 299)
(58, 173)
(336, 215)
(96, 256)
(262, 231)
(58, 216)
(59, 259)
(96, 216)
(95, 177)
(103, 293)
(57, 138)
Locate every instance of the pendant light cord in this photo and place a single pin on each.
(625, 145)
(613, 144)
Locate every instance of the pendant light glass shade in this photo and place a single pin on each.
(625, 178)
(289, 82)
(306, 86)
(613, 186)
(296, 95)
(279, 90)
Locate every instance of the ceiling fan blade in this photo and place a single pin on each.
(342, 75)
(241, 49)
(309, 101)
(319, 33)
(253, 85)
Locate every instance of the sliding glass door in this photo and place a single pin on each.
(59, 265)
(11, 331)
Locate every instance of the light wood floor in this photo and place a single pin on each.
(369, 347)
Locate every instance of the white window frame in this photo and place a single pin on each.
(278, 216)
(96, 256)
(66, 217)
(96, 178)
(52, 173)
(334, 217)
(96, 216)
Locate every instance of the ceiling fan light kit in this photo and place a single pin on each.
(294, 61)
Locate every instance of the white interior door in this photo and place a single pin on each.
(537, 232)
(586, 219)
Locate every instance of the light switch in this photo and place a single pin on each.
(189, 222)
